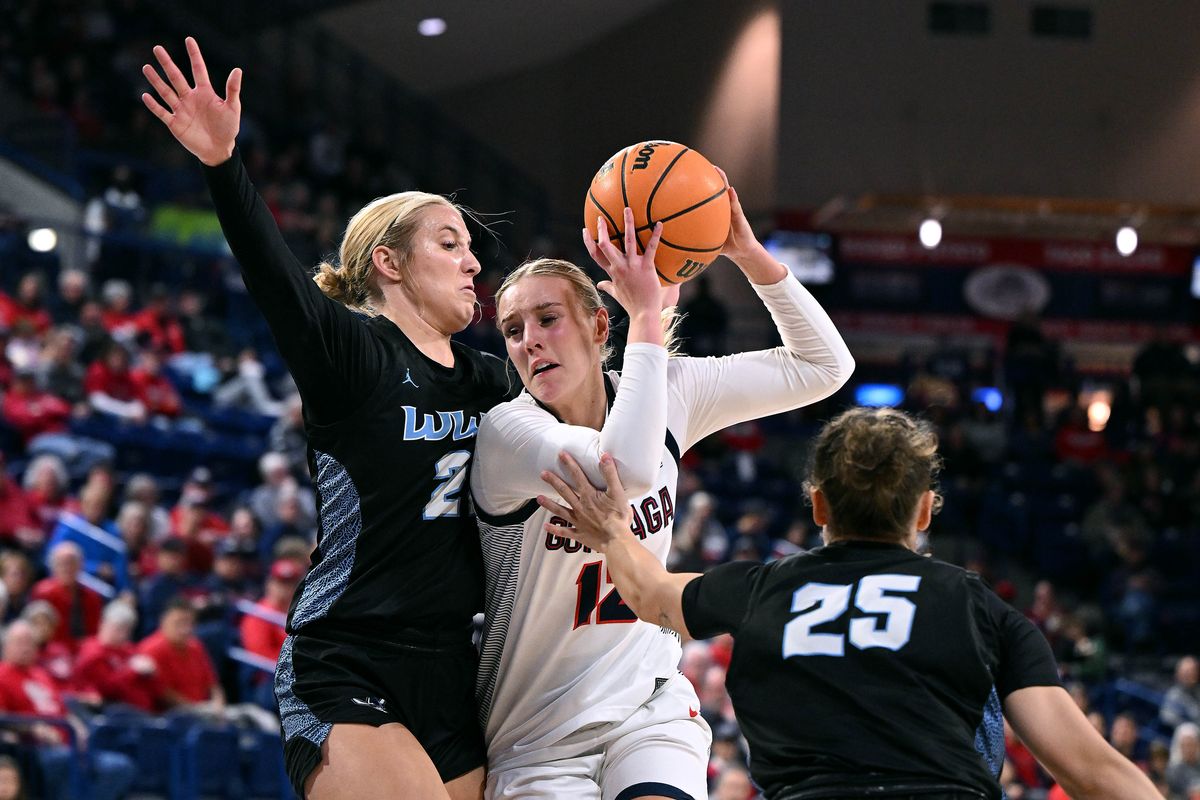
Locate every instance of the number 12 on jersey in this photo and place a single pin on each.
(889, 624)
(612, 608)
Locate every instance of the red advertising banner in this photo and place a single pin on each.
(1059, 256)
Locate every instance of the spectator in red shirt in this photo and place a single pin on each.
(197, 492)
(54, 657)
(30, 410)
(153, 389)
(158, 325)
(186, 676)
(18, 523)
(109, 664)
(119, 319)
(25, 305)
(263, 635)
(26, 689)
(110, 387)
(78, 607)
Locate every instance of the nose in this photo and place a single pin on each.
(471, 264)
(531, 339)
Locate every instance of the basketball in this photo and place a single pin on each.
(669, 183)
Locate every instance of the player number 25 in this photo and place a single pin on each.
(889, 624)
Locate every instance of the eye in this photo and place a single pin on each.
(449, 245)
(511, 332)
(549, 319)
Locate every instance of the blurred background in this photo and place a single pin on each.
(996, 201)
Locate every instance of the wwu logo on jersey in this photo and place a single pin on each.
(437, 426)
(650, 515)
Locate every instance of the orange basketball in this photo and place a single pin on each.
(668, 183)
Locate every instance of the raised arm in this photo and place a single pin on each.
(812, 364)
(1058, 734)
(329, 352)
(519, 440)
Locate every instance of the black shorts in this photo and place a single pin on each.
(320, 682)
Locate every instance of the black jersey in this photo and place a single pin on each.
(863, 669)
(390, 433)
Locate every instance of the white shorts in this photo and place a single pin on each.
(660, 750)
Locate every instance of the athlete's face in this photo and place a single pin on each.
(440, 279)
(552, 341)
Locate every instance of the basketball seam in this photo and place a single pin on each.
(604, 211)
(624, 194)
(664, 277)
(690, 249)
(667, 219)
(654, 191)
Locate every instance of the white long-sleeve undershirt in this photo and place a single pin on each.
(519, 439)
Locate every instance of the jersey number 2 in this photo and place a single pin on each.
(889, 624)
(612, 607)
(451, 470)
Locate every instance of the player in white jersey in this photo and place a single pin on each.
(578, 698)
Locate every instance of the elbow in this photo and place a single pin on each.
(843, 368)
(637, 476)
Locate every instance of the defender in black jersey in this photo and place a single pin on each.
(862, 669)
(380, 628)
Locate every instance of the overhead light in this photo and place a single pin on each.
(930, 233)
(431, 26)
(1127, 241)
(42, 240)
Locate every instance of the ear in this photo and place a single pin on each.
(601, 334)
(925, 511)
(820, 507)
(386, 262)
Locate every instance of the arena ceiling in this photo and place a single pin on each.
(484, 38)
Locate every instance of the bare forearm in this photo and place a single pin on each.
(654, 594)
(1115, 778)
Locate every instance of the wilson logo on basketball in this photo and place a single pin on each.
(642, 159)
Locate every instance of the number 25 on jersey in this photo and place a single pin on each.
(889, 624)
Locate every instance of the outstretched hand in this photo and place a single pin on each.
(598, 515)
(634, 283)
(203, 123)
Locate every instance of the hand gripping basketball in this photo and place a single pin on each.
(634, 281)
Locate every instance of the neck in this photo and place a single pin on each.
(586, 408)
(430, 341)
(829, 537)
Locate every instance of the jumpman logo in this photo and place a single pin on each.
(408, 379)
(371, 702)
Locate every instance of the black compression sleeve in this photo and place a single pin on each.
(333, 357)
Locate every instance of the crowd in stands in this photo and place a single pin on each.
(156, 511)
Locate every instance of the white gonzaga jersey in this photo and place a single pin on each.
(561, 651)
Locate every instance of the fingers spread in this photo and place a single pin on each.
(174, 75)
(199, 70)
(159, 85)
(156, 109)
